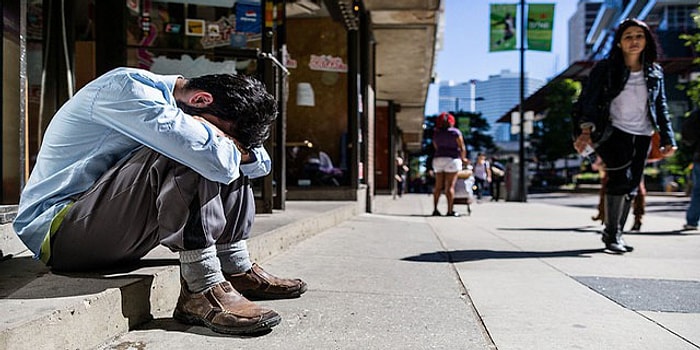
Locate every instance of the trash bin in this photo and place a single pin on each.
(512, 181)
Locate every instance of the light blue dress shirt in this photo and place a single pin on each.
(105, 122)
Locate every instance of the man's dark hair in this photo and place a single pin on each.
(241, 100)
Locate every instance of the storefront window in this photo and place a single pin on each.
(169, 37)
(317, 151)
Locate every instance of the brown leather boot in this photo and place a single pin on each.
(637, 225)
(222, 309)
(638, 211)
(258, 284)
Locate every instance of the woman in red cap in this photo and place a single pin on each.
(450, 154)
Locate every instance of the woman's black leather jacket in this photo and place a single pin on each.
(606, 81)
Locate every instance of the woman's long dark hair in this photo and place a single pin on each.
(649, 55)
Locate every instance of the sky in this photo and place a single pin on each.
(465, 53)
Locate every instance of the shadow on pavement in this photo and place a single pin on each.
(409, 215)
(169, 324)
(595, 229)
(4, 257)
(656, 233)
(484, 254)
(589, 228)
(27, 278)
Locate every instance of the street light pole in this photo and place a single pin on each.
(522, 191)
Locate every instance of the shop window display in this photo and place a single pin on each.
(175, 38)
(308, 165)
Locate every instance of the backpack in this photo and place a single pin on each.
(497, 170)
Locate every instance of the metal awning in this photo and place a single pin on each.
(406, 33)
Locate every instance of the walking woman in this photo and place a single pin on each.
(450, 154)
(623, 102)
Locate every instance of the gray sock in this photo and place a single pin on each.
(234, 257)
(200, 269)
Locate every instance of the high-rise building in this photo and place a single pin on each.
(491, 97)
(454, 97)
(580, 24)
(500, 93)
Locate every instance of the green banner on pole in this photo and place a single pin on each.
(502, 27)
(540, 21)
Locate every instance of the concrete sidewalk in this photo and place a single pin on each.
(539, 280)
(44, 310)
(511, 276)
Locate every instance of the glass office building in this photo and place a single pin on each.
(492, 98)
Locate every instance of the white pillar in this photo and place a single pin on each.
(472, 95)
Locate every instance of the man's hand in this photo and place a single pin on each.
(245, 155)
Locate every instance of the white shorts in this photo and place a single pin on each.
(447, 165)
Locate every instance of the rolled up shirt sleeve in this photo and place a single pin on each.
(148, 114)
(260, 166)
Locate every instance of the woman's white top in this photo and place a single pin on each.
(628, 110)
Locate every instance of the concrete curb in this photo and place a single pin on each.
(278, 240)
(10, 244)
(117, 303)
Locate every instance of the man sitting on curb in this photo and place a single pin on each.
(136, 159)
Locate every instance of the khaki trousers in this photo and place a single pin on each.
(144, 201)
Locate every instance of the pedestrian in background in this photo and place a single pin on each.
(400, 176)
(450, 154)
(482, 174)
(498, 173)
(690, 133)
(622, 104)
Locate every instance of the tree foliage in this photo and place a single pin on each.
(474, 128)
(693, 41)
(677, 164)
(475, 132)
(551, 138)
